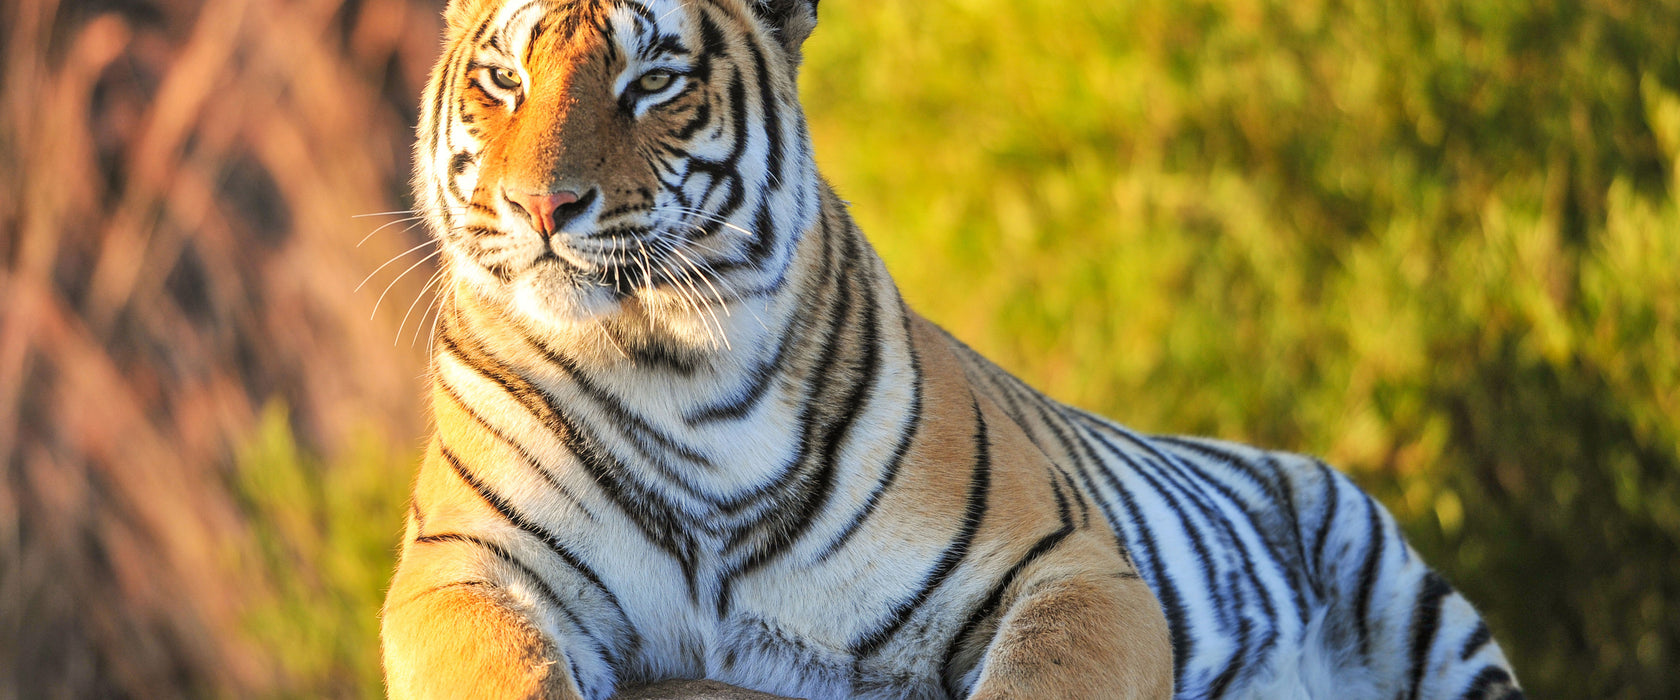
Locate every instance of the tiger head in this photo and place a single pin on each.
(582, 160)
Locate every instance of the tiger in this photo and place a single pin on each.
(684, 426)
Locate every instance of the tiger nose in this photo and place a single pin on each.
(550, 211)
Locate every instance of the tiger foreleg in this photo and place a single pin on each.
(1079, 636)
(468, 641)
(460, 621)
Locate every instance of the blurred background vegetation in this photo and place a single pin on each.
(1436, 242)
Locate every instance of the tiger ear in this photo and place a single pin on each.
(460, 13)
(791, 20)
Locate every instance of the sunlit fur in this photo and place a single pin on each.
(694, 432)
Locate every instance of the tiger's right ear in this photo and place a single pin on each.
(791, 20)
(459, 14)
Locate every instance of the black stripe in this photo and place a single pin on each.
(1245, 555)
(726, 169)
(1006, 386)
(835, 427)
(414, 512)
(1492, 682)
(1368, 577)
(979, 487)
(648, 509)
(458, 163)
(765, 226)
(810, 485)
(757, 385)
(1193, 484)
(836, 291)
(585, 445)
(548, 593)
(1183, 501)
(1245, 558)
(638, 429)
(440, 122)
(989, 605)
(524, 455)
(1164, 585)
(1426, 622)
(1332, 500)
(772, 117)
(1478, 639)
(701, 118)
(1236, 664)
(516, 387)
(513, 516)
(912, 427)
(1079, 499)
(1301, 580)
(644, 15)
(1276, 493)
(1082, 457)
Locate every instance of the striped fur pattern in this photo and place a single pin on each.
(685, 427)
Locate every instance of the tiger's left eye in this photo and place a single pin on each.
(504, 78)
(654, 81)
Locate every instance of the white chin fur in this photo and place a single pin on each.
(553, 303)
(552, 297)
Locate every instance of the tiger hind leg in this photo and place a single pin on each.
(1395, 626)
(1074, 633)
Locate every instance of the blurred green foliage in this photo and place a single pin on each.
(1435, 242)
(326, 536)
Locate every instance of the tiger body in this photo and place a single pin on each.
(685, 427)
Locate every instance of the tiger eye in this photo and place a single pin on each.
(654, 81)
(504, 78)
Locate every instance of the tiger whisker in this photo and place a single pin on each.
(618, 281)
(610, 340)
(393, 283)
(694, 296)
(708, 216)
(686, 294)
(395, 212)
(431, 338)
(393, 259)
(417, 297)
(647, 279)
(683, 292)
(703, 268)
(706, 273)
(434, 306)
(388, 225)
(702, 277)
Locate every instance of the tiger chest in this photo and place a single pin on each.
(791, 627)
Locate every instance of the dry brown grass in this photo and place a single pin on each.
(177, 186)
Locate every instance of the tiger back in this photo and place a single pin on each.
(685, 427)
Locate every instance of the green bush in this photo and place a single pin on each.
(325, 537)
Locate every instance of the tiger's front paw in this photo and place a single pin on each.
(460, 642)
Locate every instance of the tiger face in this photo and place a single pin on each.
(601, 159)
